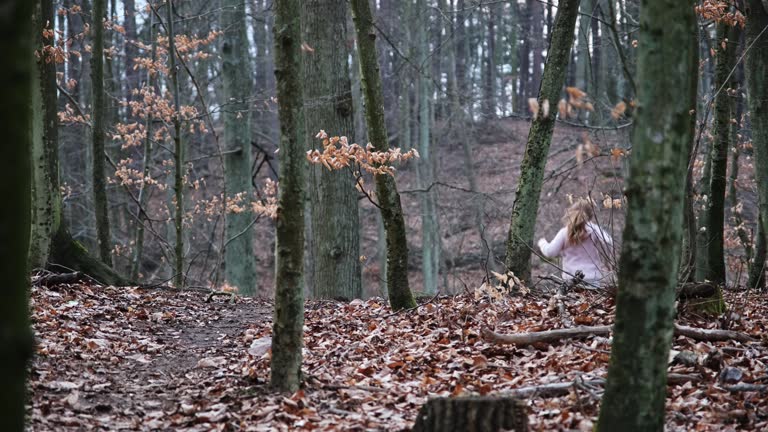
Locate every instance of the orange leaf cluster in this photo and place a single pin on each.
(338, 153)
(577, 99)
(720, 11)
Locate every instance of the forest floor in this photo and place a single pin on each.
(136, 359)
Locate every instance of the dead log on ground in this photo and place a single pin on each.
(59, 278)
(472, 414)
(522, 339)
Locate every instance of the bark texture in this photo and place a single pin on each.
(15, 119)
(399, 292)
(650, 256)
(472, 414)
(757, 88)
(236, 70)
(526, 205)
(98, 114)
(178, 152)
(727, 44)
(335, 236)
(289, 255)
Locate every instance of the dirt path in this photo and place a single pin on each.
(131, 359)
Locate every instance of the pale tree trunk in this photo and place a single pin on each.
(757, 87)
(430, 237)
(239, 260)
(44, 140)
(726, 58)
(15, 120)
(489, 78)
(583, 56)
(526, 205)
(399, 292)
(335, 237)
(288, 323)
(98, 114)
(636, 388)
(538, 40)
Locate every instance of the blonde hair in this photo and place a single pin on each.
(576, 218)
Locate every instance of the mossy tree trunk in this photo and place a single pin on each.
(757, 88)
(526, 205)
(637, 374)
(399, 292)
(236, 70)
(725, 52)
(51, 243)
(289, 260)
(15, 120)
(98, 115)
(334, 233)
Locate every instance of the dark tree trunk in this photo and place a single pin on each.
(287, 327)
(727, 45)
(99, 113)
(472, 414)
(757, 87)
(15, 120)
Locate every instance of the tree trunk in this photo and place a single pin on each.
(526, 205)
(727, 45)
(756, 278)
(399, 292)
(236, 71)
(757, 88)
(472, 414)
(131, 49)
(537, 44)
(289, 251)
(98, 114)
(15, 120)
(335, 238)
(637, 374)
(489, 79)
(178, 152)
(430, 237)
(138, 250)
(45, 189)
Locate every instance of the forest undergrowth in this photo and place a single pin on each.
(149, 359)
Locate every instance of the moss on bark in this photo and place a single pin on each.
(526, 205)
(400, 296)
(636, 388)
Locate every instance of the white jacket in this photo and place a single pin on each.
(586, 256)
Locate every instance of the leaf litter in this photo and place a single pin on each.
(133, 359)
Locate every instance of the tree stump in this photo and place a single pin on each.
(472, 414)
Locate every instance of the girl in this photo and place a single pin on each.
(582, 244)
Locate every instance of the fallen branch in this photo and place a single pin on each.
(551, 390)
(762, 388)
(59, 278)
(711, 335)
(522, 339)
